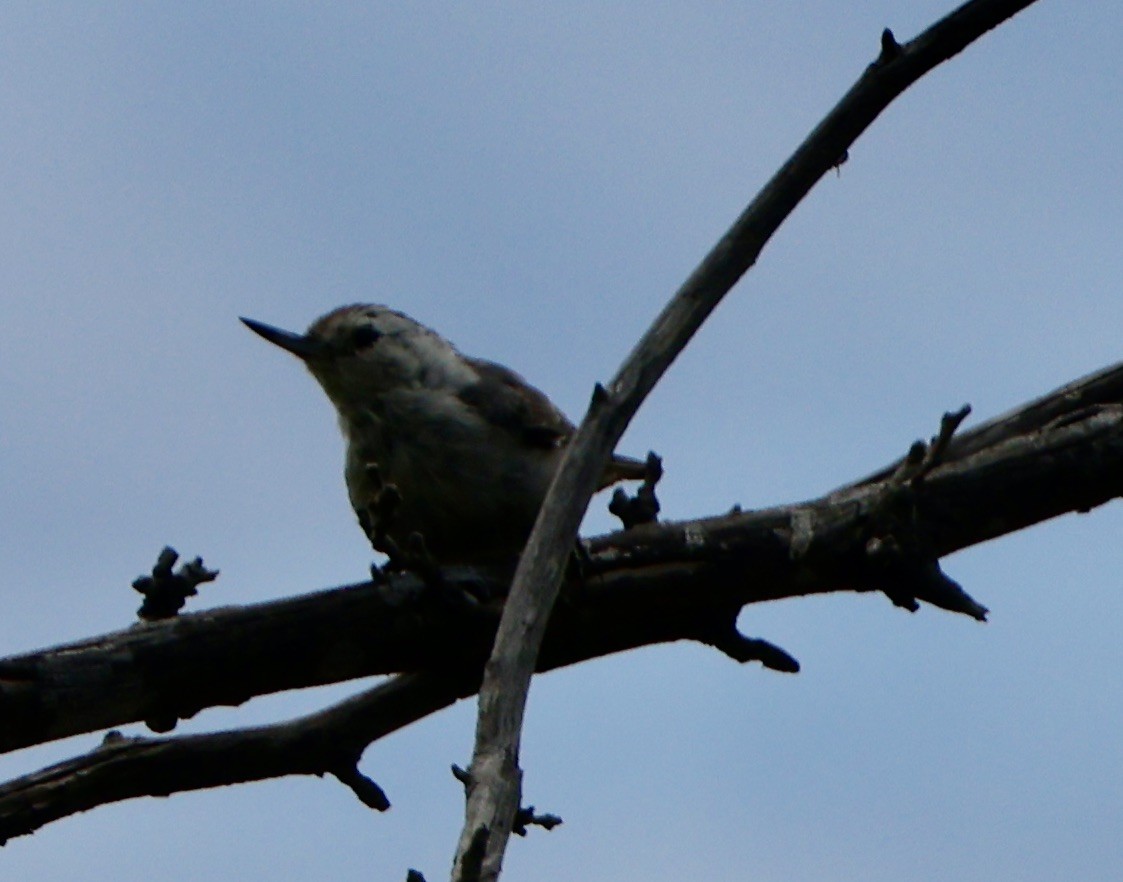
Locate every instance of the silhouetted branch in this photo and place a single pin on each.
(494, 792)
(656, 583)
(328, 742)
(652, 584)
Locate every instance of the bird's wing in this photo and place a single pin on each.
(506, 400)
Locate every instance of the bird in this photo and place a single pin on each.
(468, 446)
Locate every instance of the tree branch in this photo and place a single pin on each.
(494, 791)
(653, 584)
(328, 742)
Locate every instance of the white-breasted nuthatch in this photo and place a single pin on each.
(470, 446)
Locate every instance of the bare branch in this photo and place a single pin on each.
(1069, 402)
(162, 671)
(328, 742)
(656, 583)
(494, 792)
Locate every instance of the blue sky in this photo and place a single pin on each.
(534, 180)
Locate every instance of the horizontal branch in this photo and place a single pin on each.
(652, 584)
(328, 742)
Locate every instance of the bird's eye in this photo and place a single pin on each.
(364, 336)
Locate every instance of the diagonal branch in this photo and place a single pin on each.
(658, 583)
(639, 587)
(494, 791)
(1064, 404)
(328, 742)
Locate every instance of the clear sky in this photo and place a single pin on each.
(534, 180)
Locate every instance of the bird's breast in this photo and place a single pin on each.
(463, 482)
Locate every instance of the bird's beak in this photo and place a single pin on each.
(300, 345)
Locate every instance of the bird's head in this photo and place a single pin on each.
(361, 352)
